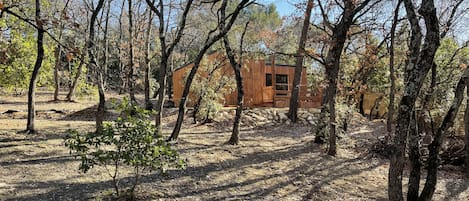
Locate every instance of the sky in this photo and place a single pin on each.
(284, 7)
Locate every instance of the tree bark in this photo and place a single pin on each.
(234, 139)
(414, 157)
(223, 30)
(75, 81)
(392, 77)
(332, 63)
(434, 147)
(57, 55)
(148, 104)
(93, 65)
(466, 136)
(131, 76)
(37, 66)
(166, 51)
(419, 63)
(122, 74)
(294, 99)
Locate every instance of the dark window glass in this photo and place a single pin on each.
(281, 82)
(268, 80)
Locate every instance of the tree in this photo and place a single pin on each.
(225, 22)
(419, 62)
(131, 76)
(234, 139)
(148, 104)
(167, 48)
(466, 132)
(94, 65)
(392, 77)
(350, 12)
(293, 110)
(38, 63)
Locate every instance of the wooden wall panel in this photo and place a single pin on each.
(253, 72)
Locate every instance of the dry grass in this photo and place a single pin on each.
(271, 164)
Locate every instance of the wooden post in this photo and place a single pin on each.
(274, 81)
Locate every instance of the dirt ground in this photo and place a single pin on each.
(277, 163)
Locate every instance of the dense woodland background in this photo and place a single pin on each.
(412, 54)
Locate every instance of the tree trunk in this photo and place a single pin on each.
(57, 55)
(434, 147)
(223, 30)
(148, 104)
(106, 47)
(332, 68)
(75, 81)
(414, 157)
(392, 77)
(294, 99)
(466, 131)
(419, 63)
(131, 78)
(166, 51)
(37, 66)
(122, 74)
(234, 139)
(93, 65)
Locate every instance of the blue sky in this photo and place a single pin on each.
(284, 7)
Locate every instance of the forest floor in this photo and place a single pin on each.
(273, 163)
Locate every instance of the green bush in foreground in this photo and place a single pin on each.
(128, 141)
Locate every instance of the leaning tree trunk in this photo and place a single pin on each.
(293, 110)
(37, 66)
(223, 30)
(166, 51)
(76, 79)
(434, 147)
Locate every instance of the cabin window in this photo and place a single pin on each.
(281, 82)
(268, 80)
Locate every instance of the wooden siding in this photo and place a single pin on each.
(254, 81)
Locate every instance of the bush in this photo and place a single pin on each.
(130, 141)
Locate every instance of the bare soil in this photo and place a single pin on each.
(274, 163)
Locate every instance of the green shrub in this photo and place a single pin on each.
(128, 141)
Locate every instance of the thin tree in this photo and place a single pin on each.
(225, 22)
(294, 99)
(167, 49)
(148, 104)
(39, 26)
(58, 53)
(234, 139)
(94, 66)
(392, 77)
(37, 66)
(131, 76)
(466, 132)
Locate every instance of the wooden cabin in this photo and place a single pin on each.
(266, 83)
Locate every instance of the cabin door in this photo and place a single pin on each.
(268, 89)
(268, 94)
